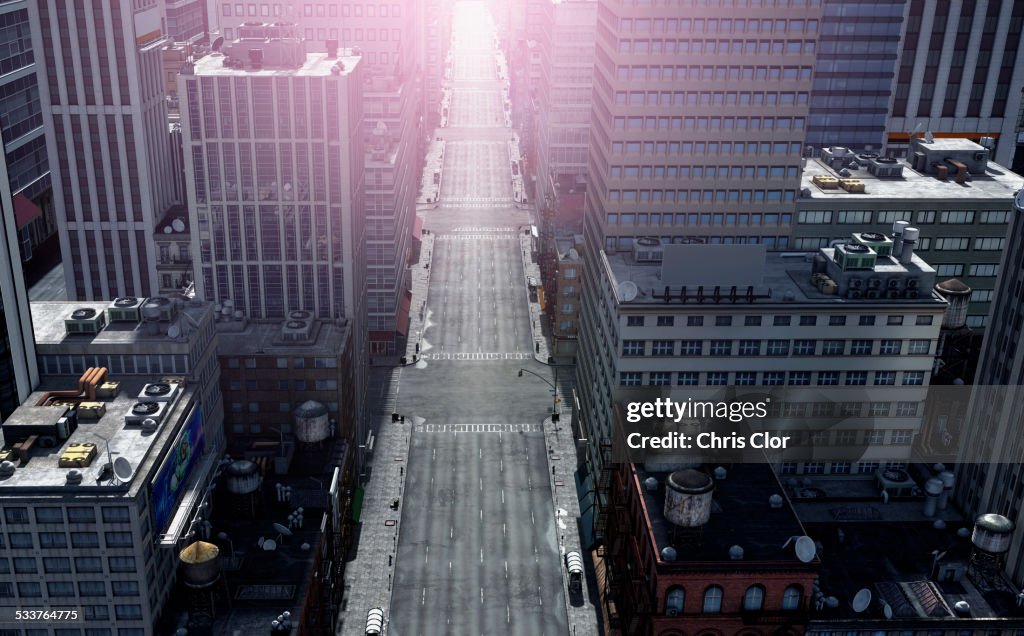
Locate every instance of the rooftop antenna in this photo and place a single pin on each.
(861, 600)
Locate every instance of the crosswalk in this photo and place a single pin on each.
(477, 199)
(482, 228)
(478, 428)
(475, 206)
(475, 237)
(467, 355)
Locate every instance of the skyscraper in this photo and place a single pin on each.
(961, 71)
(106, 129)
(18, 368)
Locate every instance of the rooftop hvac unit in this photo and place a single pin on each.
(296, 330)
(85, 320)
(885, 167)
(648, 250)
(158, 308)
(880, 243)
(853, 256)
(142, 411)
(854, 294)
(874, 294)
(912, 294)
(91, 410)
(126, 309)
(894, 283)
(158, 392)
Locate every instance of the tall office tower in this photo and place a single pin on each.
(18, 370)
(855, 72)
(961, 71)
(106, 130)
(275, 175)
(386, 37)
(563, 118)
(185, 19)
(698, 122)
(21, 124)
(990, 464)
(435, 38)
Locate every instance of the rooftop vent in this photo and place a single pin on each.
(85, 320)
(158, 308)
(854, 256)
(885, 167)
(126, 309)
(142, 411)
(158, 392)
(298, 328)
(648, 250)
(880, 243)
(77, 455)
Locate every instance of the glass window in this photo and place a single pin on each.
(713, 600)
(674, 601)
(792, 597)
(753, 600)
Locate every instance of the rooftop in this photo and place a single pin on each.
(48, 322)
(248, 338)
(139, 447)
(784, 278)
(997, 183)
(316, 65)
(740, 515)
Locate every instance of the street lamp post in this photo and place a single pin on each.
(554, 390)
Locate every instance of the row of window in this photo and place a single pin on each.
(981, 270)
(709, 172)
(721, 348)
(951, 217)
(700, 196)
(284, 385)
(772, 242)
(309, 10)
(753, 599)
(283, 363)
(715, 25)
(771, 378)
(783, 320)
(89, 612)
(282, 407)
(51, 540)
(838, 468)
(59, 565)
(76, 514)
(899, 437)
(696, 219)
(941, 243)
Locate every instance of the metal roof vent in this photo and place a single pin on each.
(651, 484)
(74, 477)
(736, 553)
(668, 553)
(721, 473)
(775, 501)
(6, 468)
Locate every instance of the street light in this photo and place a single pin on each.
(554, 390)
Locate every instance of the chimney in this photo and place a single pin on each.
(910, 235)
(332, 49)
(897, 237)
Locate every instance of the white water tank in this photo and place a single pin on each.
(992, 533)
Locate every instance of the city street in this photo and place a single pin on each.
(478, 546)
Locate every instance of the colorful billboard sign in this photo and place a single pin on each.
(169, 484)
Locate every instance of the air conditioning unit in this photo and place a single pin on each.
(911, 294)
(158, 308)
(142, 411)
(296, 330)
(892, 294)
(854, 293)
(874, 283)
(126, 309)
(648, 250)
(91, 410)
(856, 283)
(108, 389)
(894, 283)
(874, 294)
(912, 283)
(158, 392)
(85, 320)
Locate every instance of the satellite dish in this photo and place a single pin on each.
(861, 600)
(805, 549)
(173, 331)
(1018, 199)
(886, 610)
(283, 530)
(219, 42)
(167, 229)
(573, 254)
(178, 225)
(123, 469)
(269, 545)
(628, 291)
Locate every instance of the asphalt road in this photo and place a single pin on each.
(478, 549)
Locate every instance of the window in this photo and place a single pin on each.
(21, 540)
(750, 347)
(688, 378)
(828, 378)
(660, 378)
(985, 270)
(982, 295)
(668, 321)
(920, 347)
(630, 378)
(81, 515)
(856, 378)
(325, 363)
(53, 565)
(799, 378)
(16, 515)
(29, 590)
(116, 514)
(60, 588)
(723, 321)
(833, 347)
(674, 601)
(866, 321)
(956, 217)
(989, 217)
(860, 348)
(634, 321)
(121, 563)
(913, 378)
(814, 216)
(952, 243)
(713, 600)
(753, 600)
(778, 347)
(901, 437)
(774, 378)
(890, 347)
(989, 243)
(721, 347)
(718, 378)
(690, 347)
(87, 565)
(949, 269)
(853, 216)
(836, 321)
(662, 348)
(840, 468)
(885, 378)
(25, 565)
(782, 321)
(746, 378)
(282, 363)
(92, 588)
(124, 588)
(118, 539)
(53, 540)
(808, 321)
(752, 321)
(632, 347)
(804, 347)
(792, 597)
(878, 409)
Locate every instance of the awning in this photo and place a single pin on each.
(375, 622)
(24, 210)
(417, 228)
(402, 319)
(574, 562)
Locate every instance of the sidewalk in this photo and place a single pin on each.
(434, 164)
(420, 276)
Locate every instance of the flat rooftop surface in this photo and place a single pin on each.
(238, 338)
(786, 277)
(997, 182)
(740, 515)
(48, 324)
(131, 443)
(317, 64)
